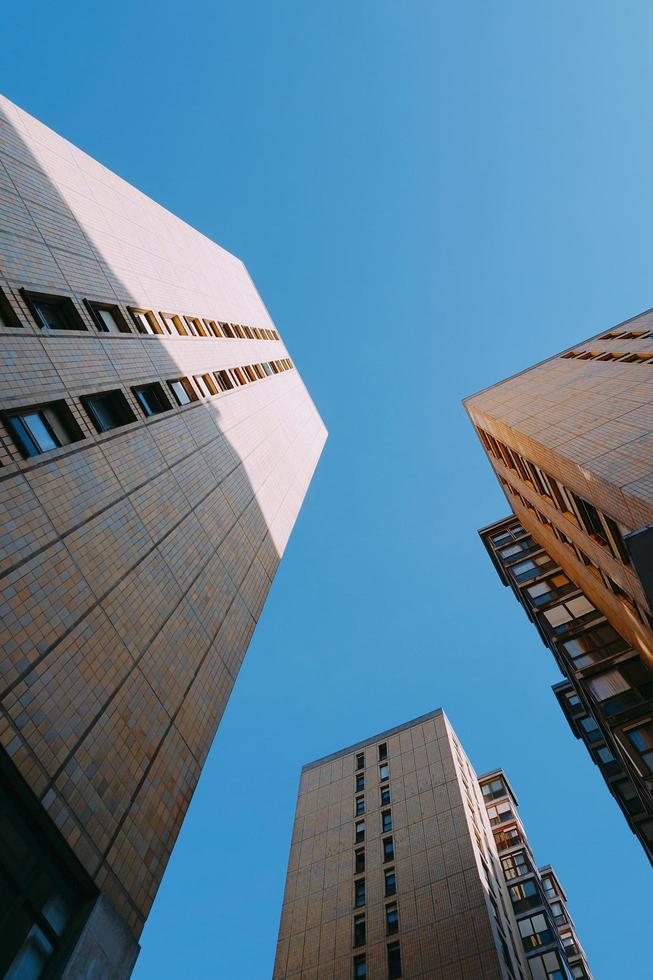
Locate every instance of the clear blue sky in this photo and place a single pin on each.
(430, 196)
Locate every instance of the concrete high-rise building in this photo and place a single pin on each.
(611, 717)
(538, 900)
(394, 870)
(571, 442)
(156, 443)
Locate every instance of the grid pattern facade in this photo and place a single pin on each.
(570, 441)
(608, 694)
(136, 557)
(393, 870)
(546, 929)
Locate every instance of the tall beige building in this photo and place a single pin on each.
(394, 870)
(156, 444)
(571, 442)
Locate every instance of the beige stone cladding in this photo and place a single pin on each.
(442, 843)
(135, 561)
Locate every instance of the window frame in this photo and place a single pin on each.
(66, 303)
(123, 408)
(8, 313)
(95, 306)
(65, 418)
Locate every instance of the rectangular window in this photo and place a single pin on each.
(385, 795)
(53, 312)
(201, 386)
(394, 961)
(152, 398)
(360, 760)
(515, 865)
(224, 381)
(384, 772)
(8, 317)
(383, 751)
(183, 391)
(226, 330)
(390, 882)
(535, 931)
(173, 324)
(386, 822)
(524, 896)
(40, 428)
(360, 831)
(145, 320)
(388, 849)
(499, 813)
(107, 317)
(195, 326)
(248, 333)
(359, 930)
(360, 782)
(212, 328)
(108, 410)
(359, 892)
(391, 919)
(641, 738)
(360, 805)
(360, 967)
(359, 860)
(494, 790)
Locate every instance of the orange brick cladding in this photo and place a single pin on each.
(135, 563)
(589, 424)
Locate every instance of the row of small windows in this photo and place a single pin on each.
(625, 357)
(40, 428)
(627, 334)
(636, 741)
(55, 312)
(390, 879)
(394, 963)
(599, 526)
(580, 610)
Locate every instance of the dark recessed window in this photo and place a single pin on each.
(360, 968)
(212, 328)
(45, 895)
(390, 882)
(107, 317)
(183, 391)
(360, 831)
(8, 317)
(383, 751)
(226, 330)
(359, 861)
(386, 821)
(108, 410)
(224, 381)
(388, 849)
(360, 760)
(53, 312)
(394, 961)
(152, 398)
(360, 782)
(359, 930)
(195, 326)
(359, 892)
(391, 919)
(145, 320)
(360, 805)
(40, 428)
(385, 795)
